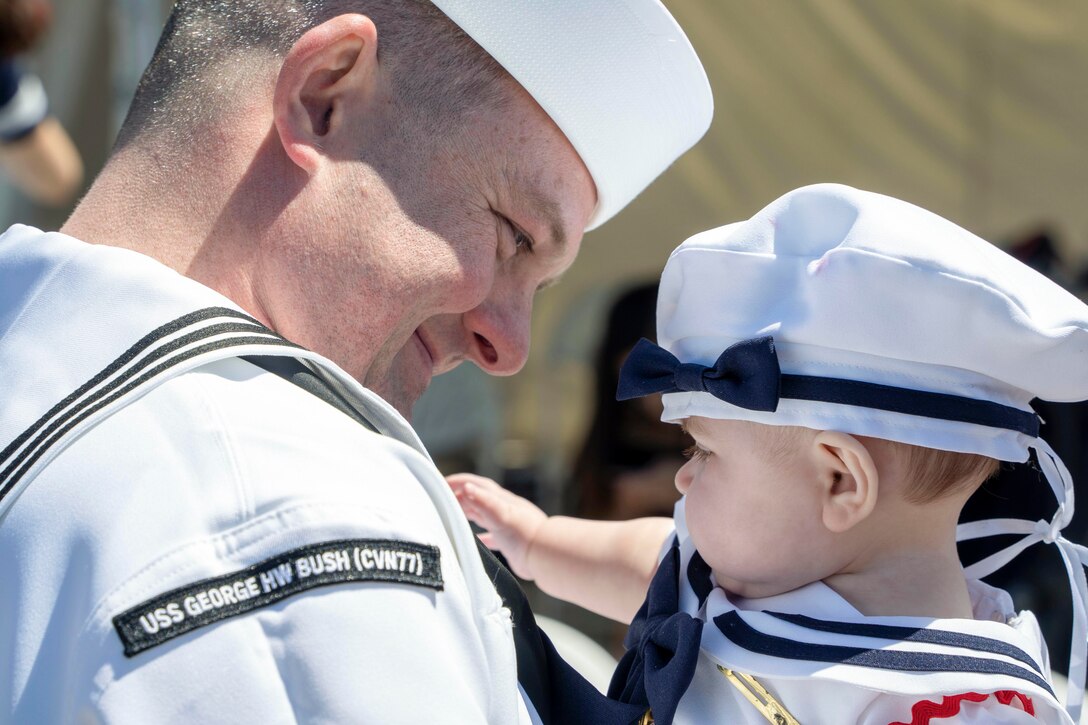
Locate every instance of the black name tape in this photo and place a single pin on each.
(207, 601)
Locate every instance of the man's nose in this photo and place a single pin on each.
(499, 334)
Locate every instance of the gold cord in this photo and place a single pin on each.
(757, 694)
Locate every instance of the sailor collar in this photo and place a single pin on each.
(107, 325)
(813, 633)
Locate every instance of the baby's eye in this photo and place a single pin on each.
(695, 452)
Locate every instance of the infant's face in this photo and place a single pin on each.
(753, 506)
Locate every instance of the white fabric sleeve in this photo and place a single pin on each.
(896, 709)
(212, 482)
(347, 653)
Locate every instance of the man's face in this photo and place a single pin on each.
(429, 252)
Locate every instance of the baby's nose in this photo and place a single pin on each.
(683, 478)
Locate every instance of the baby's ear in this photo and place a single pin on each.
(847, 477)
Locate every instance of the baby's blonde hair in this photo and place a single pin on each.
(932, 474)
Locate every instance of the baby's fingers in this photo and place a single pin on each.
(478, 499)
(458, 481)
(494, 502)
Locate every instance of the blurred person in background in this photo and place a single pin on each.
(627, 463)
(36, 153)
(629, 458)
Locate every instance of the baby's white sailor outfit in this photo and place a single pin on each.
(824, 662)
(844, 310)
(185, 537)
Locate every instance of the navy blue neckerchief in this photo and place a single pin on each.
(662, 643)
(557, 691)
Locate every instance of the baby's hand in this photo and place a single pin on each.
(511, 521)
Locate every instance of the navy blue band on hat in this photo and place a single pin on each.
(748, 376)
(912, 402)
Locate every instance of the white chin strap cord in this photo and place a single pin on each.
(1075, 557)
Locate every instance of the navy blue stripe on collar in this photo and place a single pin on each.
(83, 402)
(740, 633)
(913, 634)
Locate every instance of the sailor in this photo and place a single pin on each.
(312, 208)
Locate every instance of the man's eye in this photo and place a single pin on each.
(695, 452)
(522, 241)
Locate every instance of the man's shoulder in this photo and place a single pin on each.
(231, 422)
(126, 381)
(225, 453)
(214, 448)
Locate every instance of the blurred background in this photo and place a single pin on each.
(975, 109)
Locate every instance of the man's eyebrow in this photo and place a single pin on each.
(541, 207)
(548, 211)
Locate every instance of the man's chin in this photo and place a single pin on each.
(400, 394)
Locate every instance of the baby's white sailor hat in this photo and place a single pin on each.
(618, 77)
(840, 309)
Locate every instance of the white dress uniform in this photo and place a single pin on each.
(825, 662)
(185, 537)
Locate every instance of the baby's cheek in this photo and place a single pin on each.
(752, 553)
(723, 541)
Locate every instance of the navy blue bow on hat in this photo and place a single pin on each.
(746, 375)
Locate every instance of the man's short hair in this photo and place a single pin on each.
(212, 49)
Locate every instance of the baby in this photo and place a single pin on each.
(851, 368)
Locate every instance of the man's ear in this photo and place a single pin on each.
(328, 72)
(848, 479)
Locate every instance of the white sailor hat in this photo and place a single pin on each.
(840, 309)
(618, 77)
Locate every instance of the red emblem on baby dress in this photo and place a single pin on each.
(923, 712)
